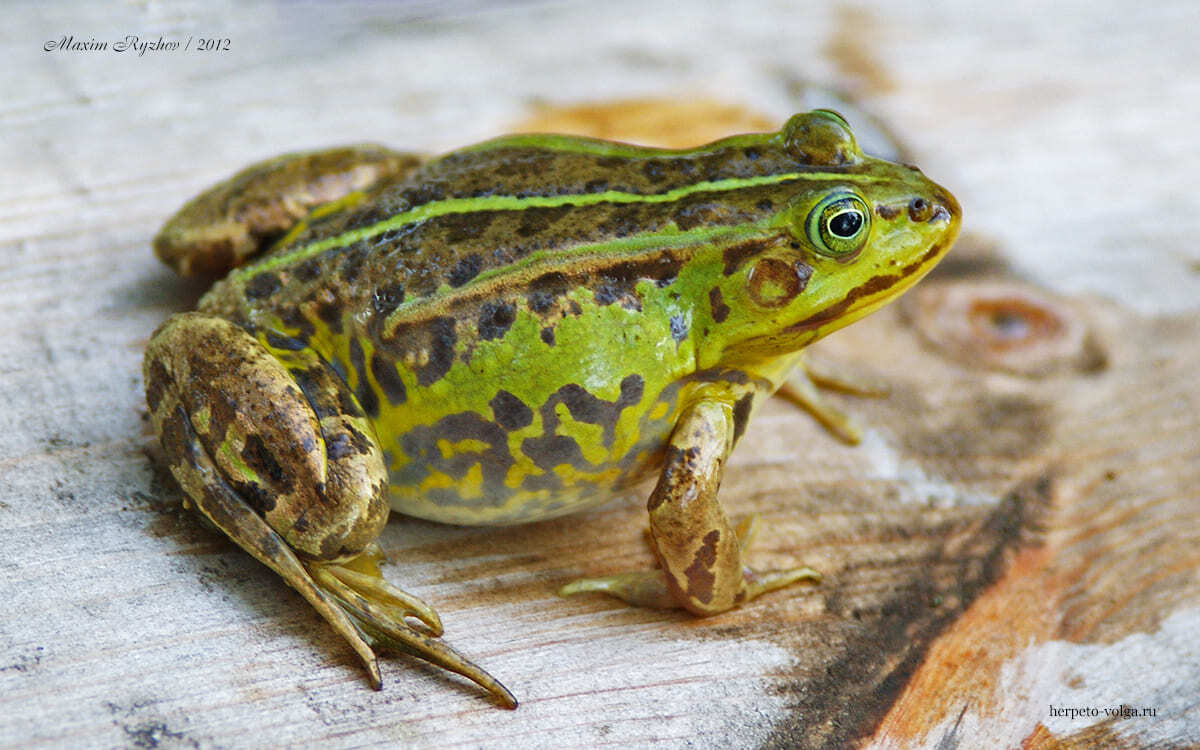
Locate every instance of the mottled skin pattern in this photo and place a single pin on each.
(511, 332)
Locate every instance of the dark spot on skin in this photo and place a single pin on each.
(715, 375)
(720, 310)
(606, 294)
(263, 285)
(741, 415)
(426, 192)
(678, 468)
(596, 186)
(735, 255)
(464, 270)
(330, 314)
(338, 446)
(176, 437)
(553, 282)
(293, 318)
(699, 574)
(308, 381)
(362, 390)
(663, 268)
(540, 301)
(679, 328)
(548, 451)
(886, 212)
(764, 205)
(308, 270)
(495, 319)
(387, 298)
(442, 339)
(464, 227)
(286, 343)
(388, 379)
(751, 153)
(421, 444)
(262, 462)
(353, 262)
(155, 383)
(361, 442)
(548, 336)
(346, 404)
(510, 412)
(574, 309)
(653, 171)
(537, 221)
(919, 210)
(690, 216)
(775, 282)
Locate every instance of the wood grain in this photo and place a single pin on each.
(1017, 532)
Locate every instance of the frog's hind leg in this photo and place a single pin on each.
(285, 464)
(235, 220)
(201, 480)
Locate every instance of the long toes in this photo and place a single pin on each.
(641, 588)
(380, 610)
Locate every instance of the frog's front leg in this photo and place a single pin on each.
(699, 551)
(274, 450)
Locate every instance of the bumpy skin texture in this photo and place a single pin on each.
(514, 331)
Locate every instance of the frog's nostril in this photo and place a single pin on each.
(919, 210)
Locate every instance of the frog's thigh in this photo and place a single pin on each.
(197, 370)
(319, 482)
(236, 219)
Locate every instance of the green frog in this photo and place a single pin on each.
(509, 332)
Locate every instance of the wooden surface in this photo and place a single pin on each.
(1019, 532)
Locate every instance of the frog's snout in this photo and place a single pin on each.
(945, 207)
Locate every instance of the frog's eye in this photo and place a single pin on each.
(838, 226)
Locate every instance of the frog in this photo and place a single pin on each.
(510, 332)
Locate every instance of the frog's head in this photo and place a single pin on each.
(851, 234)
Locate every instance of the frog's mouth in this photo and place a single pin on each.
(872, 294)
(877, 291)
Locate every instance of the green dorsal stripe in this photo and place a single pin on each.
(575, 144)
(512, 203)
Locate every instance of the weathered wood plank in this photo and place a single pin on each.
(1001, 543)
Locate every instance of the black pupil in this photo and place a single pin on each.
(846, 224)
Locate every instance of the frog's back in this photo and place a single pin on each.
(505, 206)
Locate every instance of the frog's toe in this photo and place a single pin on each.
(371, 593)
(648, 588)
(382, 612)
(802, 388)
(758, 583)
(641, 588)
